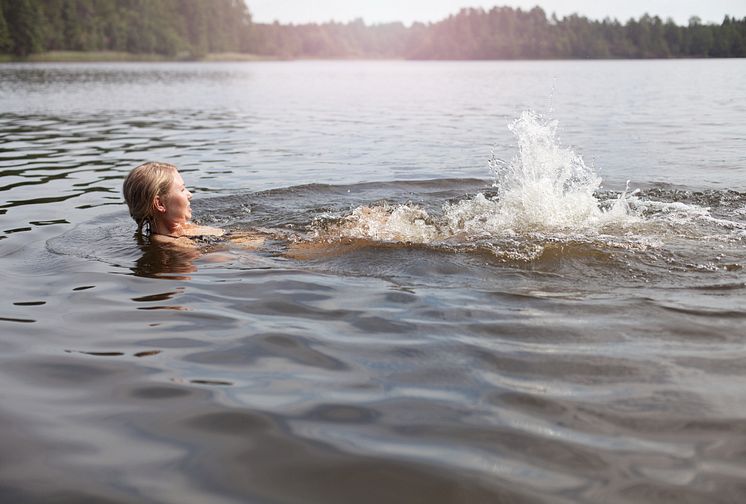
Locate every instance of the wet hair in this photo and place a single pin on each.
(140, 188)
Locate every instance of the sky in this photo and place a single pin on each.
(407, 11)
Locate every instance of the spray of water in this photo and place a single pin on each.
(400, 223)
(546, 188)
(545, 185)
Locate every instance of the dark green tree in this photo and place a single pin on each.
(698, 38)
(24, 21)
(673, 36)
(6, 42)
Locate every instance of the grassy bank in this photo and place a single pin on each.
(112, 56)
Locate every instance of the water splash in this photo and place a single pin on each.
(400, 223)
(545, 188)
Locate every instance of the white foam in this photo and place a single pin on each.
(400, 223)
(687, 220)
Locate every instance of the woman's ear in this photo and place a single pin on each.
(158, 204)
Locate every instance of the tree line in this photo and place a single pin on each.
(167, 27)
(194, 28)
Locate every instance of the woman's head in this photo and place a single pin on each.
(156, 195)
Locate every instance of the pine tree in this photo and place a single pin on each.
(25, 23)
(6, 42)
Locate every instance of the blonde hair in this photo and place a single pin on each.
(141, 187)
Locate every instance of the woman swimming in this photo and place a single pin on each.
(159, 202)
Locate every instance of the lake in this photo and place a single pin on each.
(481, 282)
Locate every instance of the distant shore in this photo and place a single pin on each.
(115, 56)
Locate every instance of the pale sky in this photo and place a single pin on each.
(407, 11)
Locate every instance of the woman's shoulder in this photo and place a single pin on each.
(180, 241)
(197, 230)
(195, 236)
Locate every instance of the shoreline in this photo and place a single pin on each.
(126, 57)
(118, 56)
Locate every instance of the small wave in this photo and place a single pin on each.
(400, 223)
(107, 238)
(720, 286)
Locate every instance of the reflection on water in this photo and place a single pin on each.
(165, 261)
(406, 331)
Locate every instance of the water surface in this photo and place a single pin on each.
(460, 299)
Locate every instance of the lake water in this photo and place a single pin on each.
(482, 282)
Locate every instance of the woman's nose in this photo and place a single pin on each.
(189, 194)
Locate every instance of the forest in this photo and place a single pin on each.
(191, 29)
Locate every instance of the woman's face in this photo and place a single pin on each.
(176, 202)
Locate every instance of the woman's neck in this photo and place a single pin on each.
(162, 228)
